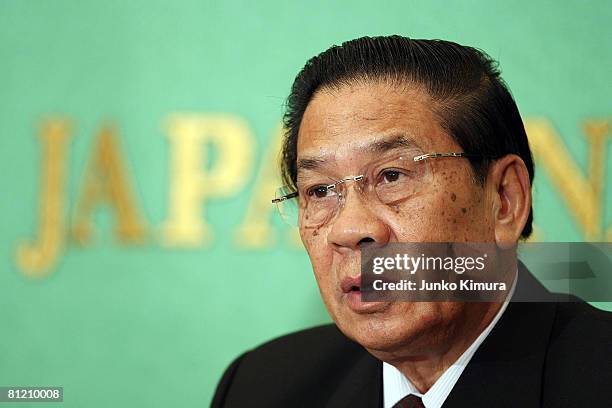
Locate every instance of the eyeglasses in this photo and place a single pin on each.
(388, 181)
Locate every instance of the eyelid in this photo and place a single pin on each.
(310, 184)
(310, 178)
(330, 190)
(391, 165)
(378, 176)
(406, 157)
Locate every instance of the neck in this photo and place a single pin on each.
(424, 368)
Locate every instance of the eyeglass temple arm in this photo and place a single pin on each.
(436, 155)
(285, 197)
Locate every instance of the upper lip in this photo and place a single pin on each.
(350, 282)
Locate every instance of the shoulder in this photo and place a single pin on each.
(279, 371)
(309, 349)
(579, 358)
(301, 345)
(578, 324)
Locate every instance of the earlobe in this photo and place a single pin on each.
(511, 182)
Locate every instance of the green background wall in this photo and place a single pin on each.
(155, 325)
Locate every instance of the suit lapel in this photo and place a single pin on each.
(362, 387)
(506, 370)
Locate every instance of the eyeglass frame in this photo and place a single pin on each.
(417, 158)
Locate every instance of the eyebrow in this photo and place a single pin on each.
(310, 163)
(394, 142)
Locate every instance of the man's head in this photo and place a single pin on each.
(371, 101)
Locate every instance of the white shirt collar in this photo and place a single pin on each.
(396, 386)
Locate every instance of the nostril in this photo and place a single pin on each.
(365, 240)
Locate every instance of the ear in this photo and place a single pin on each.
(508, 182)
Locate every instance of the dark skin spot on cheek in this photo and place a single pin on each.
(315, 231)
(453, 196)
(463, 210)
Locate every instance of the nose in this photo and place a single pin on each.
(356, 223)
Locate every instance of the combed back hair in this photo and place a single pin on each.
(471, 101)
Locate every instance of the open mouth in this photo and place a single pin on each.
(351, 284)
(352, 296)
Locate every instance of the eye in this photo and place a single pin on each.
(389, 176)
(319, 191)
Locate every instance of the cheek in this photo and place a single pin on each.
(451, 210)
(321, 259)
(313, 240)
(318, 251)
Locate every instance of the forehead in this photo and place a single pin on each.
(341, 123)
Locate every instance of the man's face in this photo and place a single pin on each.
(338, 130)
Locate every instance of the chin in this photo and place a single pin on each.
(405, 326)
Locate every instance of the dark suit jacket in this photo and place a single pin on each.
(538, 355)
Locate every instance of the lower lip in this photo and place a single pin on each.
(353, 300)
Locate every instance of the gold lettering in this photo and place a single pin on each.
(596, 132)
(256, 229)
(193, 180)
(35, 259)
(582, 194)
(105, 182)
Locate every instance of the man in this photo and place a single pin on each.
(372, 101)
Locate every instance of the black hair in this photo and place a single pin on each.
(472, 102)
